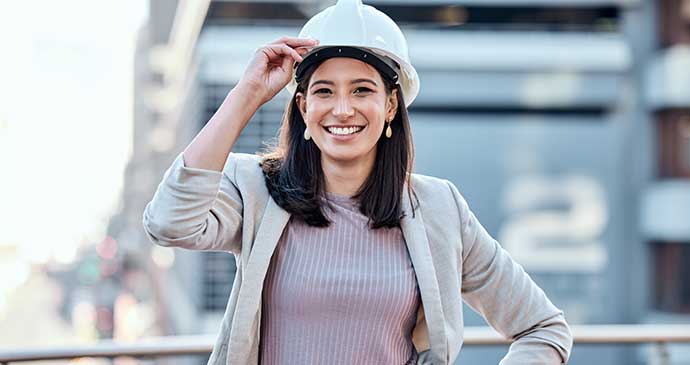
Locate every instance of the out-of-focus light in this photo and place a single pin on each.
(14, 272)
(3, 304)
(94, 361)
(104, 319)
(88, 272)
(33, 255)
(163, 257)
(685, 127)
(132, 319)
(83, 320)
(108, 269)
(162, 139)
(453, 15)
(107, 249)
(685, 10)
(66, 255)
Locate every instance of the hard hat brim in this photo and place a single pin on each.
(388, 67)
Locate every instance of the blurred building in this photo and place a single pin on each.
(564, 123)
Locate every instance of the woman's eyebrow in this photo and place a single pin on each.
(326, 82)
(357, 81)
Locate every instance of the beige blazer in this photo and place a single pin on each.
(454, 259)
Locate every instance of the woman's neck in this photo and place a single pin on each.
(346, 178)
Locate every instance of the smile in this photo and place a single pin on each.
(344, 131)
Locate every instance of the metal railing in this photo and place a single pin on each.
(660, 335)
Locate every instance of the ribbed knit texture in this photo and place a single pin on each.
(344, 294)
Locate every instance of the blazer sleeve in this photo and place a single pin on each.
(503, 293)
(196, 209)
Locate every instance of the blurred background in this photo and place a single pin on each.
(566, 125)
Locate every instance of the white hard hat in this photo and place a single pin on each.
(352, 29)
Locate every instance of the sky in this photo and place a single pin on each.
(65, 125)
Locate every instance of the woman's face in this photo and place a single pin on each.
(345, 107)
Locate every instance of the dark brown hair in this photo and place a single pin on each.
(296, 181)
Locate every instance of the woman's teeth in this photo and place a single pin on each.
(344, 131)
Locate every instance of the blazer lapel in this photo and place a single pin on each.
(243, 333)
(414, 232)
(272, 225)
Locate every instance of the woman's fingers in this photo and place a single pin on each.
(290, 46)
(296, 42)
(271, 67)
(302, 50)
(274, 51)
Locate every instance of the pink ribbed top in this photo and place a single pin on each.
(343, 294)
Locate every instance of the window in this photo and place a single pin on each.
(674, 143)
(509, 18)
(255, 12)
(674, 21)
(671, 273)
(219, 273)
(219, 268)
(262, 128)
(671, 289)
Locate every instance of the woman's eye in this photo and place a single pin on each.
(360, 90)
(322, 91)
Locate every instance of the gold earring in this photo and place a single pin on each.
(307, 136)
(389, 131)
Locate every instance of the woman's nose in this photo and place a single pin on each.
(343, 108)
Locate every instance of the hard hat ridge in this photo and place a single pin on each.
(351, 10)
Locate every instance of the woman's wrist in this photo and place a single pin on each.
(247, 94)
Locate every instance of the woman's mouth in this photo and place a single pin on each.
(344, 131)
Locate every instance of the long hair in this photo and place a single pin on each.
(295, 179)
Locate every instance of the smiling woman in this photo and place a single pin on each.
(340, 108)
(343, 254)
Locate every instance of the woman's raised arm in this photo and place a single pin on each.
(198, 205)
(196, 209)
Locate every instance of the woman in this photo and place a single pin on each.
(343, 255)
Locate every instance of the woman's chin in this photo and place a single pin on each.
(344, 156)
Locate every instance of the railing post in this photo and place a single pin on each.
(661, 356)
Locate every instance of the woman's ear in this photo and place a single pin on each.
(391, 105)
(301, 102)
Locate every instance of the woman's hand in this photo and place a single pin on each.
(271, 67)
